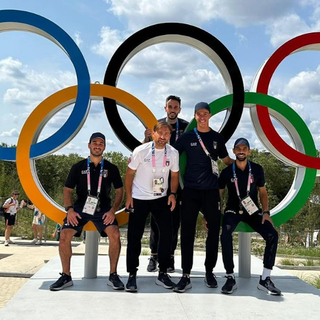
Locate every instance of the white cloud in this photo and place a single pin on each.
(141, 13)
(285, 28)
(309, 81)
(78, 39)
(110, 41)
(12, 133)
(28, 87)
(110, 143)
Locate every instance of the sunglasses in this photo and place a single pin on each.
(16, 194)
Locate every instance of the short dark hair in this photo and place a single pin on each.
(172, 97)
(161, 125)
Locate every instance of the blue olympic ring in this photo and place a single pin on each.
(27, 21)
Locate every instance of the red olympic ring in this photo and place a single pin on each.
(309, 39)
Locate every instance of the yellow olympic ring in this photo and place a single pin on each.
(33, 126)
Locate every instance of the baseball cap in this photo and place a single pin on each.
(97, 135)
(201, 105)
(243, 141)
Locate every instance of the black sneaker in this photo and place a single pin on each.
(153, 264)
(268, 286)
(63, 282)
(171, 266)
(183, 285)
(230, 285)
(131, 285)
(210, 280)
(115, 282)
(165, 281)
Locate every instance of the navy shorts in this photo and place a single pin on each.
(96, 220)
(10, 220)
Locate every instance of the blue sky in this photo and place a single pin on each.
(32, 67)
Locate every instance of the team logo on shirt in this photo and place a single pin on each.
(193, 144)
(168, 163)
(105, 173)
(83, 171)
(215, 145)
(147, 160)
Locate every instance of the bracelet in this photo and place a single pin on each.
(174, 194)
(267, 212)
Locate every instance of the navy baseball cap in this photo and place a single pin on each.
(98, 135)
(201, 105)
(243, 141)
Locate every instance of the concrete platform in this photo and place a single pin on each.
(93, 299)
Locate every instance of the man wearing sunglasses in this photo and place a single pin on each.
(11, 207)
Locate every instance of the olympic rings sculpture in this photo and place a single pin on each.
(261, 106)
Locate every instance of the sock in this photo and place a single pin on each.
(266, 273)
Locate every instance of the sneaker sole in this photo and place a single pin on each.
(131, 289)
(231, 291)
(160, 283)
(188, 286)
(210, 286)
(262, 288)
(109, 283)
(66, 285)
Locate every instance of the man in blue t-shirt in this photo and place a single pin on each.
(244, 179)
(203, 146)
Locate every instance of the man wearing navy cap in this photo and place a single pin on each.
(244, 180)
(203, 146)
(92, 178)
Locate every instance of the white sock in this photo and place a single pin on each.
(266, 273)
(230, 274)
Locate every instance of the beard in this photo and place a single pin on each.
(172, 115)
(243, 158)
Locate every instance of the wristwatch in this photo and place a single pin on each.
(174, 194)
(67, 208)
(267, 212)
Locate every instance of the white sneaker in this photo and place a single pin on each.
(39, 242)
(34, 241)
(6, 243)
(11, 242)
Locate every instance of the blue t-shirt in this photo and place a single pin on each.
(198, 173)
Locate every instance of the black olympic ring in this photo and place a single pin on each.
(181, 33)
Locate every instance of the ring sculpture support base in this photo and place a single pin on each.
(91, 254)
(245, 254)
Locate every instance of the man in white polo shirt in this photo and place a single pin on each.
(146, 183)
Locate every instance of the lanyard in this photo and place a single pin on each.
(177, 128)
(154, 158)
(100, 177)
(201, 143)
(236, 179)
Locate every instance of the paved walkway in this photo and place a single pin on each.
(30, 298)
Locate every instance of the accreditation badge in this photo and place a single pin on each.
(90, 205)
(249, 205)
(158, 188)
(214, 167)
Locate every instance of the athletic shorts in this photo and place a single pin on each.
(10, 220)
(96, 220)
